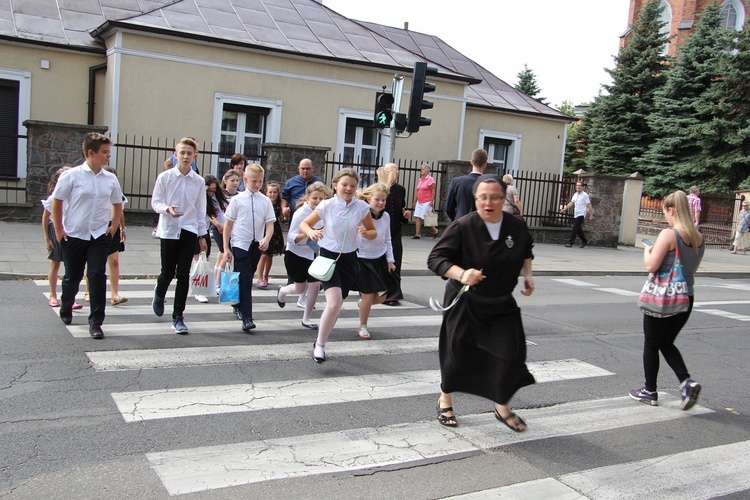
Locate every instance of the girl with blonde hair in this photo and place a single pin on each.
(376, 262)
(660, 333)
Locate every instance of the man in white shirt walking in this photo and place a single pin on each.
(582, 203)
(180, 200)
(84, 202)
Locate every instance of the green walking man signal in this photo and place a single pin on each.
(383, 110)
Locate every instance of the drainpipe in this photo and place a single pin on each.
(93, 70)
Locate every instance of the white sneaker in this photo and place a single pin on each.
(363, 333)
(153, 234)
(202, 299)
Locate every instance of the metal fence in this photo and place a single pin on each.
(717, 213)
(141, 160)
(542, 196)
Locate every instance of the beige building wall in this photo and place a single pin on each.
(184, 78)
(60, 93)
(542, 141)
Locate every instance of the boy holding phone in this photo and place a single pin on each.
(180, 200)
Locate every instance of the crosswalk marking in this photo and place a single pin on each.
(619, 291)
(724, 314)
(193, 307)
(210, 400)
(163, 326)
(573, 282)
(704, 473)
(211, 467)
(616, 291)
(200, 469)
(194, 356)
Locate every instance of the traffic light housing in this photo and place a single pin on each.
(419, 87)
(383, 110)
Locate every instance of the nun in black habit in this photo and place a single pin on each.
(482, 342)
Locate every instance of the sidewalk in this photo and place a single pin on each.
(23, 255)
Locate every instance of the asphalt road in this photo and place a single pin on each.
(145, 413)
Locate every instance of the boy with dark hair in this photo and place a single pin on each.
(84, 201)
(180, 200)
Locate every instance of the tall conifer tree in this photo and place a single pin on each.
(619, 130)
(527, 84)
(725, 140)
(674, 160)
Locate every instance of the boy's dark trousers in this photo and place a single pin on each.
(246, 263)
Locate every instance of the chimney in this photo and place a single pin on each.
(406, 26)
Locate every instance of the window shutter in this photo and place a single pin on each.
(8, 128)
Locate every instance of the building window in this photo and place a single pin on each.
(732, 15)
(497, 153)
(666, 20)
(361, 142)
(240, 125)
(503, 149)
(9, 102)
(243, 130)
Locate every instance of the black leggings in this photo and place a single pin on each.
(659, 336)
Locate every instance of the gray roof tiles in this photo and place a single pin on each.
(296, 26)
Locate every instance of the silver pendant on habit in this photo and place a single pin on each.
(509, 242)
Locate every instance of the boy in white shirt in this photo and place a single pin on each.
(249, 225)
(84, 201)
(180, 200)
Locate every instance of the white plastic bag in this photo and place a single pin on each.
(202, 277)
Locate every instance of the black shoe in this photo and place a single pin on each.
(318, 360)
(280, 303)
(311, 326)
(435, 235)
(569, 245)
(584, 245)
(391, 303)
(416, 237)
(157, 304)
(66, 317)
(247, 325)
(96, 332)
(237, 312)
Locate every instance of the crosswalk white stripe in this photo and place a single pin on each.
(616, 291)
(194, 356)
(205, 468)
(547, 488)
(724, 314)
(163, 326)
(619, 291)
(568, 281)
(703, 473)
(193, 307)
(211, 400)
(189, 471)
(720, 303)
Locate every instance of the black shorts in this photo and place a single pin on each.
(296, 268)
(116, 245)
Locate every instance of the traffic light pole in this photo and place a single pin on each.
(397, 89)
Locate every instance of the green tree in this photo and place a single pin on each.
(567, 107)
(527, 84)
(682, 106)
(725, 140)
(619, 128)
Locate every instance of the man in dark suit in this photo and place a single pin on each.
(395, 205)
(460, 199)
